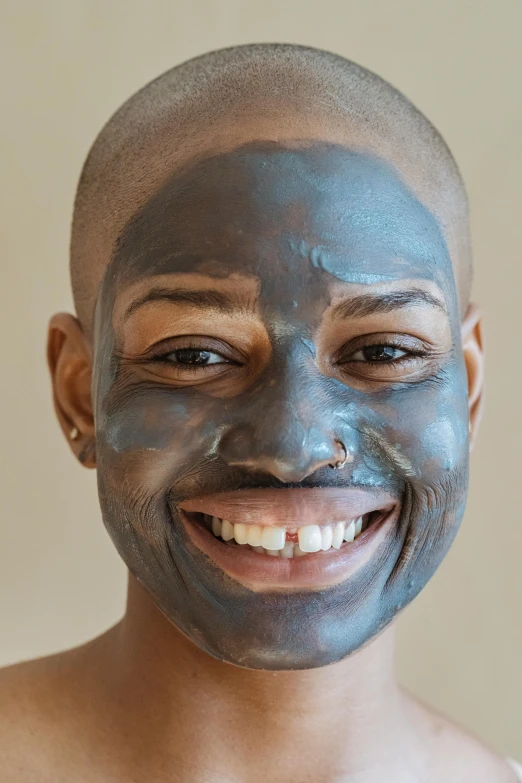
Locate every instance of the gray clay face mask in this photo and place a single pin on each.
(238, 334)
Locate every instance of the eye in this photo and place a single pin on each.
(377, 353)
(386, 358)
(191, 360)
(197, 360)
(194, 357)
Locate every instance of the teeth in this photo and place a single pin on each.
(310, 538)
(287, 550)
(326, 537)
(273, 537)
(270, 540)
(227, 530)
(338, 534)
(216, 526)
(254, 535)
(349, 533)
(241, 534)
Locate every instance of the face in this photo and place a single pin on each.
(269, 314)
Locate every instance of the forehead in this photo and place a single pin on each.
(309, 212)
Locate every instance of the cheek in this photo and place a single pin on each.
(160, 432)
(443, 444)
(425, 430)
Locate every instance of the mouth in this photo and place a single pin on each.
(294, 539)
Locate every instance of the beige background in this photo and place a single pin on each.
(65, 66)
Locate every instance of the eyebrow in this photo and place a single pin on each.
(369, 304)
(208, 299)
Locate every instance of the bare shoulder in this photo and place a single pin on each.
(31, 696)
(454, 754)
(40, 706)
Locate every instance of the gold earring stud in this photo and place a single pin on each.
(74, 433)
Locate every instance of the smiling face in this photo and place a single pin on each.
(271, 312)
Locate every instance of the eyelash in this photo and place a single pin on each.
(409, 353)
(163, 358)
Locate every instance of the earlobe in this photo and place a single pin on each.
(474, 357)
(69, 358)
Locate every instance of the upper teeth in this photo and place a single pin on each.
(272, 540)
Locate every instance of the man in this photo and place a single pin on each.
(277, 373)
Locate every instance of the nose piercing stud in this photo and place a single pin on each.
(74, 433)
(342, 462)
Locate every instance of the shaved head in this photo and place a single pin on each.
(261, 92)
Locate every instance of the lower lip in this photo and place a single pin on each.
(316, 570)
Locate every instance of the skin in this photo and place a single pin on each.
(322, 250)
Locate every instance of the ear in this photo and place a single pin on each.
(69, 357)
(474, 358)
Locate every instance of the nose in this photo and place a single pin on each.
(290, 440)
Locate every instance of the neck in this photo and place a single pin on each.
(193, 712)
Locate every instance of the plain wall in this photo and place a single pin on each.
(65, 66)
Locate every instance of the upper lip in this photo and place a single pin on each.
(291, 507)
